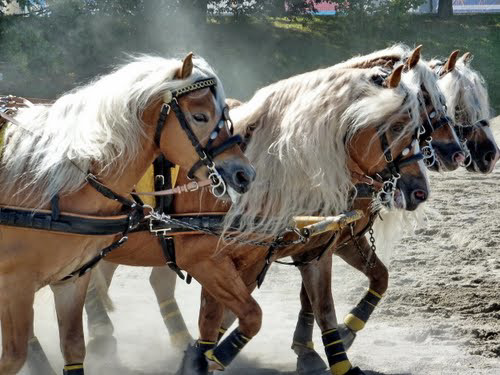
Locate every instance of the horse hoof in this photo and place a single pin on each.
(347, 335)
(104, 328)
(355, 371)
(102, 346)
(310, 363)
(37, 362)
(193, 362)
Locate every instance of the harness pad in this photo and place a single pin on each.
(147, 183)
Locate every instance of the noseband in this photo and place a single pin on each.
(465, 131)
(205, 153)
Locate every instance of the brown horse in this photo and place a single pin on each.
(469, 107)
(363, 122)
(448, 157)
(234, 269)
(358, 253)
(168, 306)
(112, 128)
(479, 142)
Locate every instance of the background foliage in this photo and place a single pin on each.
(46, 53)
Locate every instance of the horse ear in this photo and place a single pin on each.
(450, 63)
(467, 58)
(414, 58)
(393, 80)
(187, 67)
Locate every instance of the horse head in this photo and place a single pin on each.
(388, 151)
(468, 105)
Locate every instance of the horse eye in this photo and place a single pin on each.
(398, 128)
(200, 117)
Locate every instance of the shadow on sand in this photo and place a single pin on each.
(102, 358)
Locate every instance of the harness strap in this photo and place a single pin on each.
(267, 265)
(213, 152)
(186, 188)
(163, 181)
(300, 263)
(160, 124)
(54, 205)
(76, 224)
(107, 192)
(168, 248)
(93, 262)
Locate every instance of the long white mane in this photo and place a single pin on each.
(396, 223)
(299, 146)
(466, 93)
(97, 127)
(420, 75)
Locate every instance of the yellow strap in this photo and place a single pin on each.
(73, 367)
(353, 322)
(167, 302)
(207, 342)
(340, 368)
(329, 331)
(333, 343)
(211, 357)
(374, 293)
(171, 315)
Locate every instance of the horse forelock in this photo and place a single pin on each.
(298, 146)
(465, 92)
(97, 126)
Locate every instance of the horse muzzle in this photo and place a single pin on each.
(449, 156)
(237, 175)
(415, 190)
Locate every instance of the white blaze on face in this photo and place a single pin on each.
(233, 194)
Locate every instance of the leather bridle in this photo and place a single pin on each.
(205, 153)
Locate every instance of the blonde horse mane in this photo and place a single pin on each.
(466, 93)
(97, 126)
(302, 125)
(396, 223)
(420, 75)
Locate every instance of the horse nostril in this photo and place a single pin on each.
(419, 195)
(458, 157)
(240, 178)
(489, 157)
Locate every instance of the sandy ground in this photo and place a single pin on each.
(441, 314)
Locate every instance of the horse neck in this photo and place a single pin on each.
(88, 201)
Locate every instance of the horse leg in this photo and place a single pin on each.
(308, 360)
(210, 317)
(227, 321)
(163, 280)
(226, 287)
(316, 277)
(378, 276)
(37, 361)
(69, 299)
(16, 316)
(99, 323)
